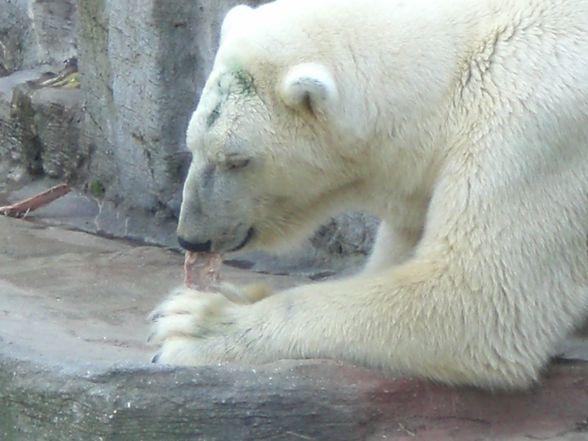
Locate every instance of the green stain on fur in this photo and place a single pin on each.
(245, 82)
(214, 115)
(242, 84)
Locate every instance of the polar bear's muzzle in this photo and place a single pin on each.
(209, 245)
(219, 226)
(216, 213)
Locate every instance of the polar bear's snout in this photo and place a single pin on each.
(195, 247)
(215, 214)
(215, 231)
(205, 247)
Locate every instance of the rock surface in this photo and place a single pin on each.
(41, 128)
(34, 32)
(74, 366)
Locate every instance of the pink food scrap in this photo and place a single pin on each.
(202, 270)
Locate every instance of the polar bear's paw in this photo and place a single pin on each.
(195, 328)
(190, 327)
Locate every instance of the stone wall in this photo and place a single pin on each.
(34, 32)
(142, 65)
(38, 128)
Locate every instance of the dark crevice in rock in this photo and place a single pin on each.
(24, 117)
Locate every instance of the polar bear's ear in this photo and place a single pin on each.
(235, 18)
(309, 85)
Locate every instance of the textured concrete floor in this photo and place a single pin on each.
(70, 297)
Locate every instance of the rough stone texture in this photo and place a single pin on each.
(74, 366)
(40, 129)
(34, 32)
(12, 169)
(318, 401)
(14, 32)
(57, 120)
(54, 123)
(347, 234)
(54, 31)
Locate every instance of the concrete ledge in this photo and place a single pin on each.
(286, 401)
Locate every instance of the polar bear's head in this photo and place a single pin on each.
(273, 153)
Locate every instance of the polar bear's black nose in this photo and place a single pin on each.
(204, 247)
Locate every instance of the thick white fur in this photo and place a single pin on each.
(310, 84)
(463, 124)
(234, 18)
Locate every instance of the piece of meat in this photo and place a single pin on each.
(202, 270)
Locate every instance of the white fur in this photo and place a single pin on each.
(312, 83)
(235, 18)
(463, 124)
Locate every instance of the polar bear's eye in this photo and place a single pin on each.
(237, 163)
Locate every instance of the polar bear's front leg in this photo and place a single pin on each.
(393, 245)
(412, 320)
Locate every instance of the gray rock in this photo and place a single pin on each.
(15, 35)
(349, 234)
(13, 167)
(287, 401)
(53, 29)
(40, 129)
(34, 32)
(57, 120)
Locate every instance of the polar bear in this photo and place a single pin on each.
(462, 124)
